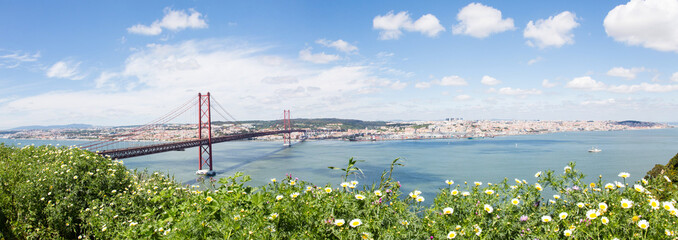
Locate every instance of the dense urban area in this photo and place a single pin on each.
(342, 129)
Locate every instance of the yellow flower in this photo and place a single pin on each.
(537, 174)
(309, 188)
(451, 235)
(638, 188)
(278, 197)
(294, 195)
(293, 182)
(355, 222)
(454, 192)
(567, 169)
(489, 192)
(328, 189)
(592, 185)
(556, 196)
(604, 220)
(273, 216)
(464, 193)
(236, 217)
(609, 186)
(478, 183)
(339, 222)
(448, 210)
(449, 182)
(209, 199)
(624, 174)
(546, 219)
(477, 230)
(580, 205)
(591, 214)
(654, 204)
(643, 224)
(602, 206)
(377, 193)
(667, 206)
(644, 181)
(344, 184)
(517, 181)
(359, 197)
(635, 218)
(515, 201)
(404, 222)
(365, 235)
(273, 180)
(538, 186)
(567, 233)
(420, 199)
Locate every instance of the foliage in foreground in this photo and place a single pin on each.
(50, 193)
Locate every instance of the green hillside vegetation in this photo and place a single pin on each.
(50, 192)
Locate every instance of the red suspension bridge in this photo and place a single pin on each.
(205, 104)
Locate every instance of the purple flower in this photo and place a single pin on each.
(575, 187)
(523, 218)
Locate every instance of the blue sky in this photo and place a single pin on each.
(128, 62)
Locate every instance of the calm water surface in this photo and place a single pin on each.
(428, 163)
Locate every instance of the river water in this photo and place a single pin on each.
(428, 163)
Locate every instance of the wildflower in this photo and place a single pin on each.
(103, 229)
(667, 178)
(654, 204)
(602, 206)
(523, 218)
(344, 184)
(643, 224)
(465, 193)
(638, 188)
(537, 174)
(404, 223)
(355, 222)
(635, 218)
(591, 214)
(592, 185)
(478, 183)
(451, 235)
(339, 222)
(309, 188)
(515, 201)
(489, 192)
(624, 174)
(273, 216)
(294, 195)
(538, 186)
(365, 235)
(604, 220)
(293, 182)
(420, 199)
(567, 169)
(668, 206)
(668, 233)
(236, 217)
(556, 196)
(132, 224)
(580, 204)
(625, 203)
(377, 193)
(328, 189)
(567, 233)
(619, 184)
(209, 199)
(454, 192)
(546, 219)
(278, 197)
(354, 182)
(75, 177)
(552, 201)
(449, 182)
(609, 186)
(643, 181)
(477, 230)
(273, 180)
(359, 197)
(518, 181)
(562, 215)
(488, 208)
(448, 210)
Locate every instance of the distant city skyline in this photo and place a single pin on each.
(129, 62)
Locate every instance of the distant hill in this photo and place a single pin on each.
(321, 122)
(632, 123)
(68, 126)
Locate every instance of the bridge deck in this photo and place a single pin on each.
(173, 146)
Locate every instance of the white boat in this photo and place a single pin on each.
(594, 150)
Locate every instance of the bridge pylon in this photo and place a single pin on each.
(287, 126)
(205, 147)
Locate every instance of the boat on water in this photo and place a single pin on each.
(594, 150)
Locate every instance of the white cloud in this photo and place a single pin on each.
(534, 60)
(397, 85)
(452, 81)
(649, 23)
(599, 102)
(306, 55)
(547, 84)
(625, 72)
(65, 69)
(340, 45)
(423, 85)
(555, 31)
(480, 21)
(585, 83)
(391, 25)
(674, 77)
(462, 97)
(489, 81)
(174, 20)
(12, 59)
(516, 91)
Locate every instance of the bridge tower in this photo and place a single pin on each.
(287, 125)
(205, 147)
